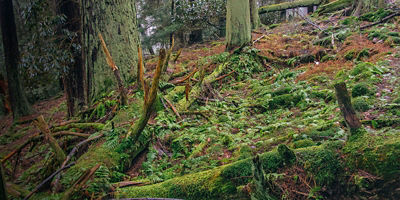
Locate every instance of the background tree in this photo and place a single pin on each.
(238, 26)
(19, 103)
(255, 18)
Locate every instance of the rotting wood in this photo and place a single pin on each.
(97, 126)
(71, 154)
(47, 180)
(80, 182)
(150, 97)
(110, 62)
(42, 125)
(187, 77)
(334, 6)
(129, 183)
(226, 75)
(288, 5)
(346, 107)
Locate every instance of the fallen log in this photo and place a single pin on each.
(327, 165)
(334, 6)
(96, 126)
(380, 21)
(288, 5)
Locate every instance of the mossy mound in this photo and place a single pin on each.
(360, 89)
(360, 104)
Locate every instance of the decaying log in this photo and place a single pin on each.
(334, 6)
(80, 182)
(177, 55)
(43, 127)
(48, 179)
(288, 5)
(346, 107)
(71, 154)
(97, 126)
(110, 62)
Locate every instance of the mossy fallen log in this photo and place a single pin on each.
(96, 126)
(288, 5)
(330, 165)
(334, 6)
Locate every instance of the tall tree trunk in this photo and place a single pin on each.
(195, 36)
(238, 25)
(116, 21)
(74, 78)
(255, 18)
(19, 104)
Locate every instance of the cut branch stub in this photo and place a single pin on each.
(346, 107)
(110, 62)
(44, 128)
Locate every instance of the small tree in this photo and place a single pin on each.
(238, 25)
(19, 104)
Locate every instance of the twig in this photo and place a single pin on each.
(48, 179)
(309, 21)
(187, 77)
(258, 39)
(223, 76)
(173, 109)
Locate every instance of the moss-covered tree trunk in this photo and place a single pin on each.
(116, 21)
(238, 25)
(255, 18)
(19, 103)
(346, 107)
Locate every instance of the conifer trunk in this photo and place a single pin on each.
(238, 25)
(116, 21)
(255, 18)
(19, 103)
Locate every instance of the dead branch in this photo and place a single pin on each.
(149, 100)
(258, 39)
(380, 21)
(129, 183)
(48, 179)
(71, 154)
(110, 62)
(42, 125)
(223, 76)
(80, 182)
(187, 77)
(173, 109)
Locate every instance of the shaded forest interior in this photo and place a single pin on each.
(213, 99)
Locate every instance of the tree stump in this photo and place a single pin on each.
(346, 107)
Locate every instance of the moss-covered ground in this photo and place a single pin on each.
(275, 99)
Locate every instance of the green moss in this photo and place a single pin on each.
(272, 26)
(286, 101)
(328, 57)
(350, 55)
(363, 54)
(360, 68)
(349, 21)
(378, 155)
(286, 154)
(395, 34)
(245, 152)
(375, 15)
(281, 91)
(360, 104)
(303, 143)
(360, 89)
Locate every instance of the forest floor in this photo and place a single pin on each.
(250, 108)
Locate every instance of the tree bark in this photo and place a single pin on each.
(116, 21)
(346, 107)
(19, 103)
(74, 78)
(238, 25)
(3, 192)
(255, 18)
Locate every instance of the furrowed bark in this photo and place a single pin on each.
(288, 5)
(346, 107)
(42, 125)
(111, 64)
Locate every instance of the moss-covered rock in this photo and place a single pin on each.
(303, 143)
(285, 101)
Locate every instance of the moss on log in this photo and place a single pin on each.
(96, 126)
(334, 6)
(329, 164)
(288, 5)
